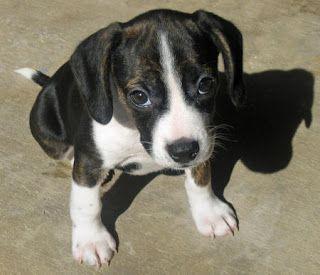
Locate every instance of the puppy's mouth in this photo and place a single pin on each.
(187, 165)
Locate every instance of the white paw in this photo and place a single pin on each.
(214, 218)
(92, 245)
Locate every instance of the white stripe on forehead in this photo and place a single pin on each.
(170, 75)
(181, 120)
(180, 116)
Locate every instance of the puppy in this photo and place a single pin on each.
(139, 96)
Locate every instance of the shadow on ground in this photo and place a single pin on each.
(261, 135)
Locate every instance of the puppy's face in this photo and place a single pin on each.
(168, 79)
(160, 69)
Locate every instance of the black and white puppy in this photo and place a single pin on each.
(139, 96)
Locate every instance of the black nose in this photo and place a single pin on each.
(183, 150)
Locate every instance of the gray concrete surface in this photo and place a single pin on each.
(278, 211)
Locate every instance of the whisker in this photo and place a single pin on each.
(221, 137)
(220, 145)
(220, 126)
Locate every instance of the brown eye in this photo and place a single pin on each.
(205, 85)
(139, 98)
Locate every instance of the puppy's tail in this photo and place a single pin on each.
(37, 76)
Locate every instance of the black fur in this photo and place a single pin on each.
(40, 78)
(91, 68)
(55, 115)
(213, 25)
(130, 167)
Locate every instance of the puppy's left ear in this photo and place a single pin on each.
(90, 64)
(228, 40)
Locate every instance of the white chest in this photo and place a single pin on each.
(121, 146)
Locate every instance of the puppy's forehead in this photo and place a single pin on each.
(140, 50)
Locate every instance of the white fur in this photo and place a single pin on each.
(212, 216)
(91, 242)
(181, 120)
(119, 145)
(26, 72)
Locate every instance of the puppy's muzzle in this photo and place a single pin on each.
(183, 150)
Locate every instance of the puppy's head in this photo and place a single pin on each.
(160, 69)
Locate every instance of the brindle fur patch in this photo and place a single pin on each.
(133, 31)
(88, 171)
(202, 173)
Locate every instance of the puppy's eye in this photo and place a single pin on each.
(205, 85)
(139, 98)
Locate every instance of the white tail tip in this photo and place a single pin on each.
(26, 72)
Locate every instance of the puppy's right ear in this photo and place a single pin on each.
(90, 64)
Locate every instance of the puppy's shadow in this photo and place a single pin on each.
(119, 197)
(260, 135)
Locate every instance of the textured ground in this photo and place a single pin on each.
(278, 209)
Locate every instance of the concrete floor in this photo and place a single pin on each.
(274, 183)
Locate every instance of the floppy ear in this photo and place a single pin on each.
(90, 64)
(228, 40)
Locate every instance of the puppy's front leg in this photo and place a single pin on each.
(91, 242)
(212, 216)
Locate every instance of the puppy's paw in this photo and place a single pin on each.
(214, 218)
(92, 245)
